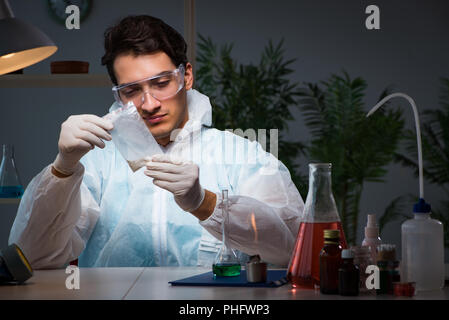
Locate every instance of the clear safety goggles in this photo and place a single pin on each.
(160, 87)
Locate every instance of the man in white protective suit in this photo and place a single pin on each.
(89, 205)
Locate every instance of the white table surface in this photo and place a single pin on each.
(152, 284)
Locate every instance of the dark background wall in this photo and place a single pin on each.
(325, 36)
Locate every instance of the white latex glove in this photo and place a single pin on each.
(179, 177)
(80, 134)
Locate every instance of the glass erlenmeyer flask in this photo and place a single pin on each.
(320, 213)
(226, 263)
(10, 185)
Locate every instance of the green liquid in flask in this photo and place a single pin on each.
(226, 270)
(226, 262)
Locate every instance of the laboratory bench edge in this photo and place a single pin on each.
(152, 283)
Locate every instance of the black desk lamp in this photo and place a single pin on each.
(21, 44)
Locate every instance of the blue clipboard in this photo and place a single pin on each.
(275, 278)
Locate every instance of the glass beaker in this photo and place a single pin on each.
(10, 185)
(320, 213)
(226, 263)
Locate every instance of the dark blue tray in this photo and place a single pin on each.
(275, 278)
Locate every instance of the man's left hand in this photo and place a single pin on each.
(179, 177)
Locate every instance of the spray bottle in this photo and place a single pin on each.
(372, 239)
(422, 236)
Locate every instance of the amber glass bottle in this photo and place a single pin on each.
(330, 261)
(348, 275)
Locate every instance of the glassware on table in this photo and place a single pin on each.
(330, 262)
(226, 263)
(363, 258)
(10, 185)
(320, 213)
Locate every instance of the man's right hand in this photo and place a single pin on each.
(80, 134)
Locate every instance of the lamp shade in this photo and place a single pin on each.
(21, 44)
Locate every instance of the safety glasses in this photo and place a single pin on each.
(160, 87)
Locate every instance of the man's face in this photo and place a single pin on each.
(161, 117)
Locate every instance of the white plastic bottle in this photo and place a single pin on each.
(423, 250)
(422, 237)
(372, 239)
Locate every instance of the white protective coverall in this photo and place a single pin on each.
(107, 215)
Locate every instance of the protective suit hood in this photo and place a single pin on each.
(199, 107)
(200, 114)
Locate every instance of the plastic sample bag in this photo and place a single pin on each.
(131, 136)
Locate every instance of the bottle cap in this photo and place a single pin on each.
(347, 254)
(332, 234)
(421, 206)
(404, 288)
(371, 229)
(361, 251)
(327, 166)
(386, 252)
(371, 220)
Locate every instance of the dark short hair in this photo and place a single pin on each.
(139, 35)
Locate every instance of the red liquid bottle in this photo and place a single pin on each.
(320, 213)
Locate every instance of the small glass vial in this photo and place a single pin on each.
(330, 261)
(348, 275)
(362, 259)
(388, 272)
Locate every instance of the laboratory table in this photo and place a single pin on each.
(151, 283)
